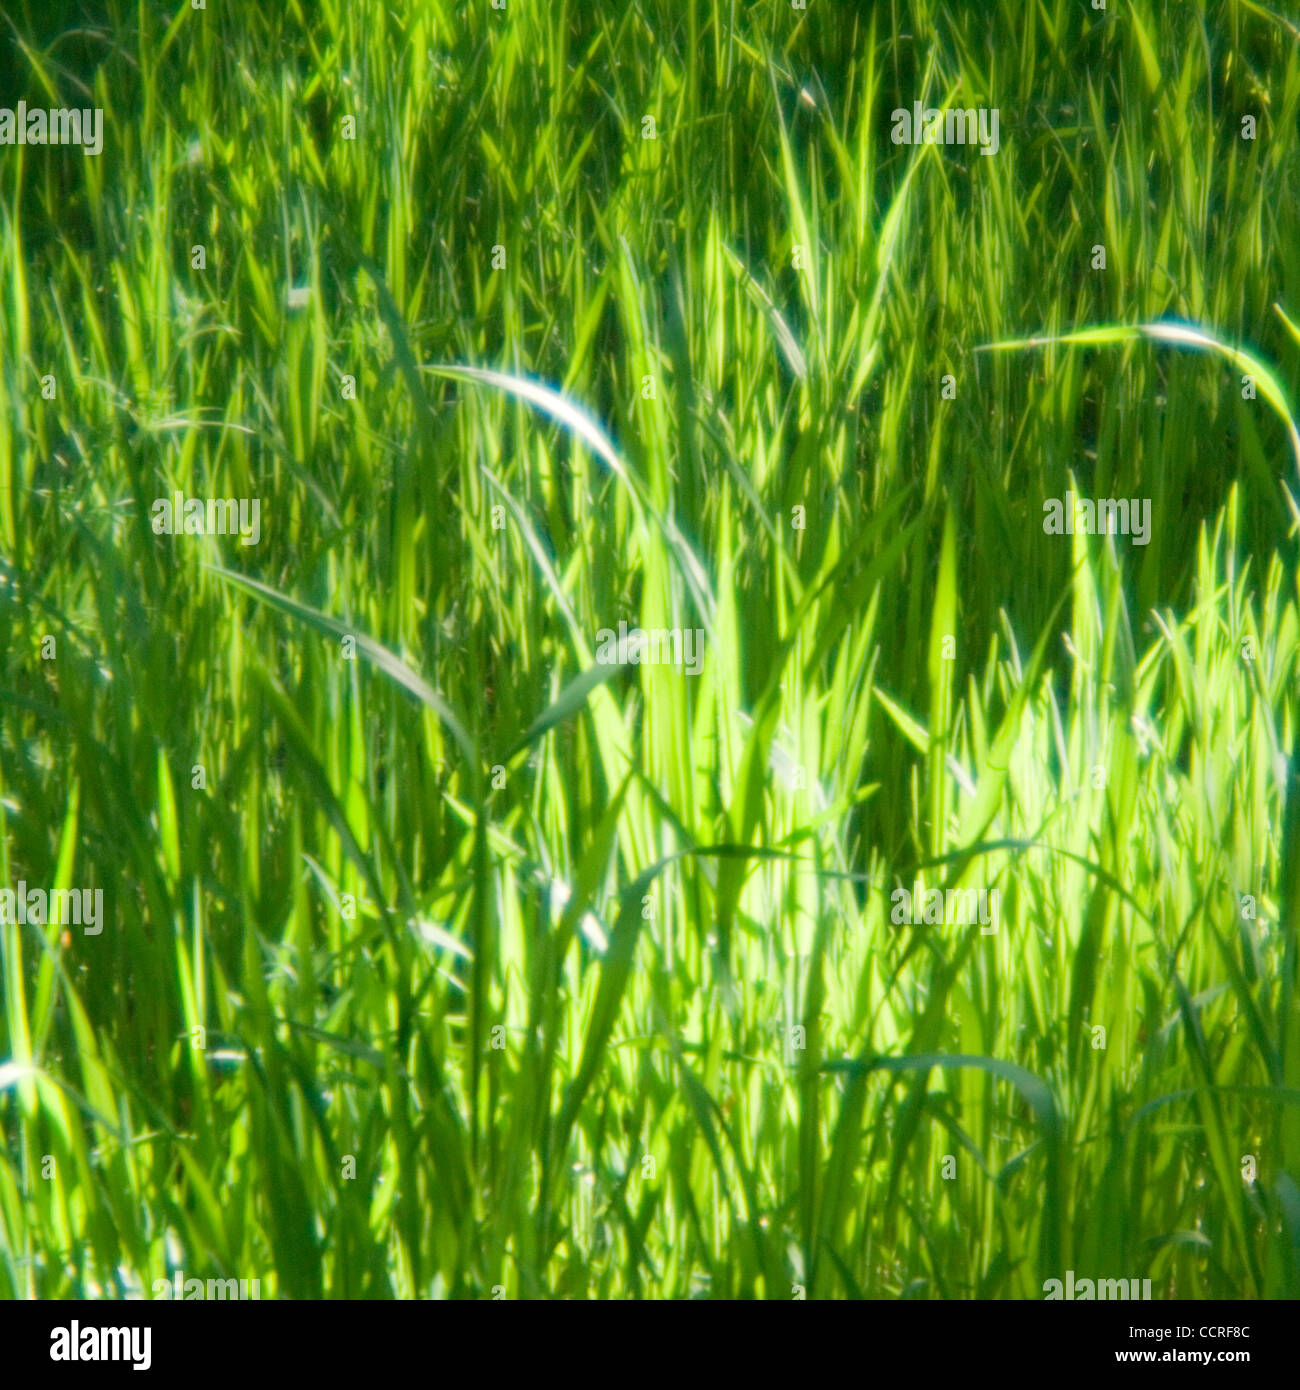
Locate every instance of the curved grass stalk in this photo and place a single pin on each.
(1174, 334)
(578, 422)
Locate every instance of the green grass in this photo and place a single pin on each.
(517, 970)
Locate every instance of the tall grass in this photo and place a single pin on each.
(471, 963)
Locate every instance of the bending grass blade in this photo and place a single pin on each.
(569, 701)
(388, 662)
(1175, 335)
(573, 418)
(1035, 1092)
(785, 339)
(1292, 327)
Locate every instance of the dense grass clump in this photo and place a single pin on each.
(439, 954)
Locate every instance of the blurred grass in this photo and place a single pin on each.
(530, 946)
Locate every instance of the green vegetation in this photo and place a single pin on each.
(518, 969)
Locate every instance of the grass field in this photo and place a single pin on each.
(440, 957)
